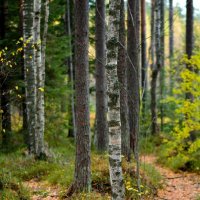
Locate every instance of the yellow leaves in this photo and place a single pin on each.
(19, 96)
(56, 22)
(16, 87)
(1, 111)
(41, 89)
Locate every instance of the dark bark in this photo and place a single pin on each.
(133, 70)
(189, 37)
(189, 28)
(122, 76)
(70, 62)
(189, 49)
(82, 163)
(156, 67)
(143, 55)
(162, 70)
(101, 105)
(25, 125)
(171, 40)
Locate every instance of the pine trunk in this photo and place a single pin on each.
(82, 163)
(171, 41)
(113, 92)
(143, 56)
(71, 123)
(162, 70)
(101, 104)
(157, 66)
(122, 76)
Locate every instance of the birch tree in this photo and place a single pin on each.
(122, 76)
(101, 105)
(30, 72)
(113, 92)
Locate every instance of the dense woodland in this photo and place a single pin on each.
(99, 99)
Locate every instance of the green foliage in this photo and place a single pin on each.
(182, 147)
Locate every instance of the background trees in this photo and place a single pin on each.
(54, 63)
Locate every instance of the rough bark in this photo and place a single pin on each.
(157, 66)
(122, 76)
(171, 40)
(101, 104)
(162, 70)
(113, 92)
(82, 163)
(30, 72)
(189, 49)
(189, 37)
(69, 13)
(133, 70)
(24, 113)
(143, 55)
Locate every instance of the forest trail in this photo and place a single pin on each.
(176, 186)
(42, 191)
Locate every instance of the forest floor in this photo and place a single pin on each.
(176, 186)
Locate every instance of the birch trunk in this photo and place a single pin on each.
(122, 76)
(101, 104)
(113, 92)
(30, 72)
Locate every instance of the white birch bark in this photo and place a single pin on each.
(30, 72)
(39, 137)
(113, 92)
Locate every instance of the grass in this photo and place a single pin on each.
(16, 168)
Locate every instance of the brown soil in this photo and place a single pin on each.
(177, 186)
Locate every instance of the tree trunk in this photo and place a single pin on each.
(171, 40)
(157, 66)
(24, 113)
(162, 72)
(69, 13)
(101, 104)
(189, 49)
(133, 77)
(122, 76)
(143, 56)
(113, 92)
(82, 163)
(5, 92)
(30, 72)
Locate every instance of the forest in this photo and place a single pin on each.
(99, 99)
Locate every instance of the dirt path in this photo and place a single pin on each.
(177, 186)
(42, 191)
